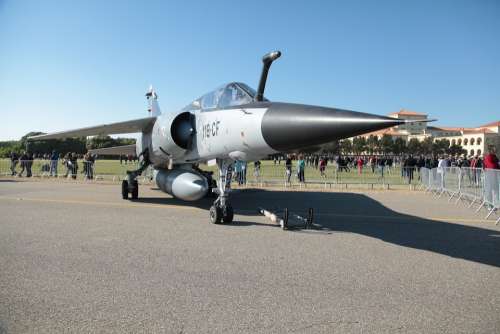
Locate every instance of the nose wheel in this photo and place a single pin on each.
(221, 214)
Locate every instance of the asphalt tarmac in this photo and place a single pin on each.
(75, 258)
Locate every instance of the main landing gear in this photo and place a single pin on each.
(221, 210)
(130, 185)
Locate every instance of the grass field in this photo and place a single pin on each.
(269, 171)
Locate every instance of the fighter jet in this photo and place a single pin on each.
(233, 122)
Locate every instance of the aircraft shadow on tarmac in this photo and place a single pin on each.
(357, 213)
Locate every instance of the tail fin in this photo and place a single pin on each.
(153, 107)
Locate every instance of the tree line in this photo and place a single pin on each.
(358, 146)
(389, 146)
(76, 145)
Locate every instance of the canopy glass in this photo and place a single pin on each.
(227, 96)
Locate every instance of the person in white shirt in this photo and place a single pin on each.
(442, 164)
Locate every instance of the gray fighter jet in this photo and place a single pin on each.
(233, 122)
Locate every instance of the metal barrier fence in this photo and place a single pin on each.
(474, 185)
(328, 176)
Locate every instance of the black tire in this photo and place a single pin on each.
(227, 214)
(135, 190)
(124, 189)
(215, 214)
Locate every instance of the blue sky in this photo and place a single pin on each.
(68, 64)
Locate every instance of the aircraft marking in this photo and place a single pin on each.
(210, 129)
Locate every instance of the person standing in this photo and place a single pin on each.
(91, 166)
(442, 165)
(322, 166)
(359, 163)
(23, 159)
(256, 170)
(74, 165)
(288, 168)
(237, 171)
(381, 166)
(87, 166)
(373, 162)
(13, 163)
(490, 159)
(243, 172)
(67, 163)
(29, 164)
(491, 179)
(301, 164)
(53, 163)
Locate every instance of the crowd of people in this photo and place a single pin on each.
(410, 165)
(50, 164)
(130, 158)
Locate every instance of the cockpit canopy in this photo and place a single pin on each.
(226, 96)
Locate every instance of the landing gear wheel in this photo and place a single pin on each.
(124, 189)
(215, 214)
(227, 214)
(135, 190)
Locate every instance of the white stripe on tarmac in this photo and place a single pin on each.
(121, 205)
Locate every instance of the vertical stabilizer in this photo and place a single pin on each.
(153, 107)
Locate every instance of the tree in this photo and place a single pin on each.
(373, 144)
(440, 146)
(359, 145)
(456, 150)
(107, 141)
(399, 146)
(345, 146)
(9, 146)
(77, 145)
(427, 145)
(414, 146)
(386, 144)
(310, 149)
(331, 148)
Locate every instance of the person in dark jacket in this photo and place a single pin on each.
(54, 158)
(74, 164)
(23, 159)
(288, 168)
(13, 162)
(29, 164)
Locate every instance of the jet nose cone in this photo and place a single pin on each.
(287, 126)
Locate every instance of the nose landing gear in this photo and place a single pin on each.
(221, 210)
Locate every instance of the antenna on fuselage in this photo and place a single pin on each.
(267, 60)
(153, 107)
